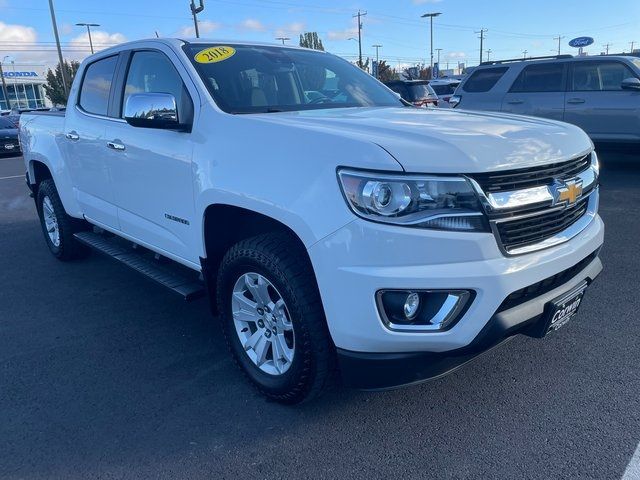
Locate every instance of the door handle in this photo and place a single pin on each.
(72, 136)
(576, 100)
(115, 146)
(515, 102)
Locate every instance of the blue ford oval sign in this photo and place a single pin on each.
(581, 42)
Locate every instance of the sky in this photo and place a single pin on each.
(512, 26)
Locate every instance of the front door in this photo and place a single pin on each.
(597, 103)
(151, 168)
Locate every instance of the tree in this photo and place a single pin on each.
(311, 40)
(54, 87)
(386, 73)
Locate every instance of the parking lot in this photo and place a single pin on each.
(103, 373)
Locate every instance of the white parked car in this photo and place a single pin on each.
(333, 226)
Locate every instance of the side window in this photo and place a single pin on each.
(599, 76)
(545, 77)
(484, 79)
(153, 72)
(96, 85)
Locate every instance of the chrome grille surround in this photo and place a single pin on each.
(536, 216)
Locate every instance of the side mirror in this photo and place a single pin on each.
(153, 110)
(630, 84)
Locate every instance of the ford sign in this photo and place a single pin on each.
(581, 42)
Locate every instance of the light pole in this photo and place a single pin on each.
(489, 54)
(283, 39)
(430, 17)
(195, 11)
(524, 54)
(88, 25)
(377, 47)
(63, 71)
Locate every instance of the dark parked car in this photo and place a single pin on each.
(417, 92)
(9, 144)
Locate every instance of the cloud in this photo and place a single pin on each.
(100, 40)
(20, 40)
(423, 2)
(66, 29)
(204, 26)
(252, 24)
(456, 55)
(342, 34)
(290, 30)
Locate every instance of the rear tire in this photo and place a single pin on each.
(58, 227)
(281, 299)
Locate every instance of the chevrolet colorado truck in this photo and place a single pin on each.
(334, 227)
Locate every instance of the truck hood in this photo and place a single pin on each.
(448, 141)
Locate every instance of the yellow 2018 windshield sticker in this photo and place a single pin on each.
(214, 54)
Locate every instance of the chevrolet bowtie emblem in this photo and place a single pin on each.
(566, 191)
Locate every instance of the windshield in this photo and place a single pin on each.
(258, 79)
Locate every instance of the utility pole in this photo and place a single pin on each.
(360, 15)
(283, 39)
(88, 25)
(559, 38)
(524, 54)
(606, 47)
(481, 37)
(430, 16)
(4, 88)
(63, 70)
(195, 11)
(489, 54)
(377, 47)
(632, 44)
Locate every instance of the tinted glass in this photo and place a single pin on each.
(444, 88)
(258, 79)
(94, 94)
(153, 72)
(546, 77)
(484, 80)
(6, 124)
(419, 91)
(599, 76)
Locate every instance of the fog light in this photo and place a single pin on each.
(411, 305)
(422, 310)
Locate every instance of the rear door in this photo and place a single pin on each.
(539, 90)
(597, 103)
(84, 143)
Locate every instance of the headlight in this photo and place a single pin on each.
(443, 203)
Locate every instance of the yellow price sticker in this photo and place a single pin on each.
(214, 54)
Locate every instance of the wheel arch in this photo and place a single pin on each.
(225, 225)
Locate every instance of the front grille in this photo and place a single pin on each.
(540, 288)
(521, 232)
(509, 180)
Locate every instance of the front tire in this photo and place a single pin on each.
(272, 318)
(57, 226)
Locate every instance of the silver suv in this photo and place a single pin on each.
(600, 94)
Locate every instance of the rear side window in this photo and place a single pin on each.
(484, 80)
(546, 77)
(96, 85)
(599, 76)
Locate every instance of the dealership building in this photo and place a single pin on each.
(22, 86)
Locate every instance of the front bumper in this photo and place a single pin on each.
(353, 263)
(380, 371)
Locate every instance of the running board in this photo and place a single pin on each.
(164, 274)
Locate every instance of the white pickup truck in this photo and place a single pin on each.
(333, 226)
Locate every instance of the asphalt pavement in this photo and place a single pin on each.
(104, 374)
